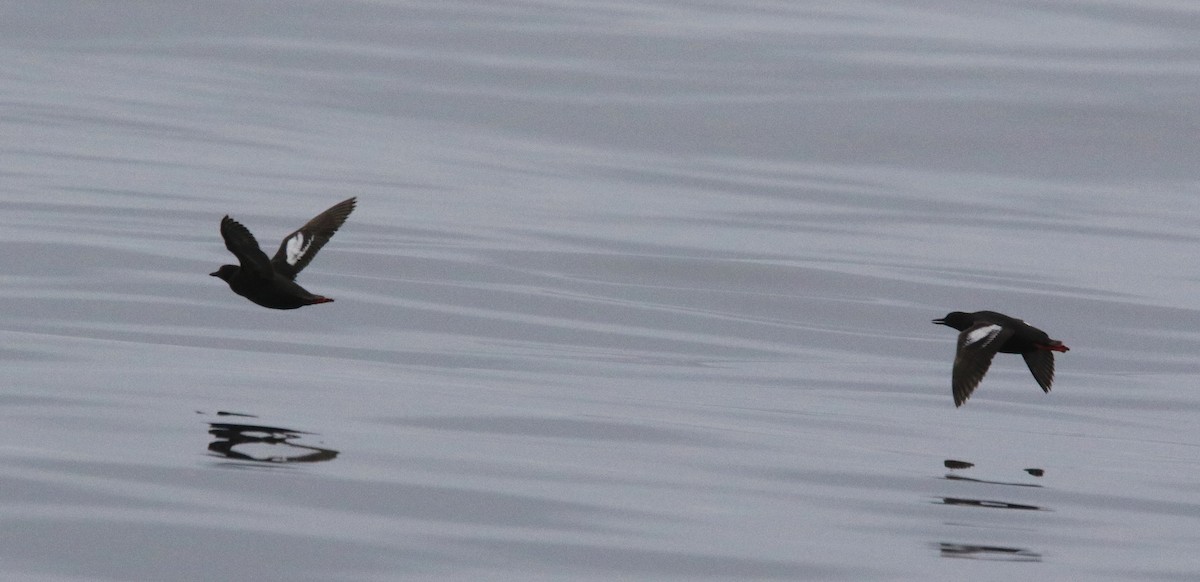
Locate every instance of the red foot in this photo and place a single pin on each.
(1055, 348)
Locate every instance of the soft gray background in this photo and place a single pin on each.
(635, 290)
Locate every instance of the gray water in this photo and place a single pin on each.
(635, 291)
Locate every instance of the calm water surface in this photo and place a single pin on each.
(635, 291)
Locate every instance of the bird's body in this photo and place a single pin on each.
(985, 333)
(272, 282)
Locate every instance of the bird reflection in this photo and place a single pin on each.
(977, 552)
(228, 436)
(988, 503)
(953, 464)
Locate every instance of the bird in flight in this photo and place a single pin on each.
(983, 334)
(272, 282)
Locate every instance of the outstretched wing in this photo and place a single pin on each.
(1041, 363)
(298, 248)
(242, 244)
(977, 345)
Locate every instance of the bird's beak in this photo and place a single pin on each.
(213, 275)
(940, 321)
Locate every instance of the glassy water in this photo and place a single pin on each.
(634, 290)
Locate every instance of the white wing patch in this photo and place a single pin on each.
(296, 247)
(984, 334)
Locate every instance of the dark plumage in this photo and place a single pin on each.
(986, 332)
(271, 283)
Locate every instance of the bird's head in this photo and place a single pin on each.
(956, 319)
(226, 272)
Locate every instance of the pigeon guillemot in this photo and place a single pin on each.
(271, 283)
(986, 332)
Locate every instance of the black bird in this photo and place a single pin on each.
(271, 283)
(986, 332)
